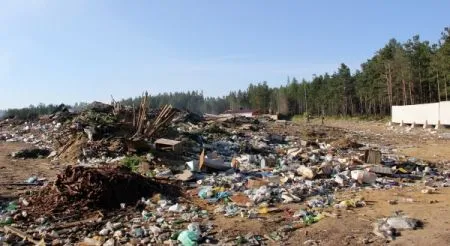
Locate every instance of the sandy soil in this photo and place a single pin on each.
(18, 170)
(427, 144)
(354, 227)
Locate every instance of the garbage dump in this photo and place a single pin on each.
(160, 176)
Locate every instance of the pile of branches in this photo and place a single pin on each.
(111, 128)
(145, 126)
(80, 188)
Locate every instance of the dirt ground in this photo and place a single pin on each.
(14, 171)
(426, 144)
(355, 226)
(417, 142)
(349, 227)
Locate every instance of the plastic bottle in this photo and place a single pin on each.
(6, 220)
(12, 206)
(188, 238)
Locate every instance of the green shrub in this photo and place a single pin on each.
(132, 162)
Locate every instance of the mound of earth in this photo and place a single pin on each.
(85, 188)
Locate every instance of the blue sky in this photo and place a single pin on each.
(54, 51)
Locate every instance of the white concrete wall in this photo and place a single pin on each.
(421, 113)
(444, 113)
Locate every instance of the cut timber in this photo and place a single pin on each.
(142, 115)
(372, 156)
(201, 160)
(95, 219)
(164, 143)
(167, 114)
(23, 235)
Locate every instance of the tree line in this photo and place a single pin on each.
(31, 112)
(412, 72)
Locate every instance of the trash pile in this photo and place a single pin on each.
(160, 176)
(99, 133)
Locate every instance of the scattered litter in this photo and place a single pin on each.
(428, 190)
(389, 228)
(144, 176)
(363, 176)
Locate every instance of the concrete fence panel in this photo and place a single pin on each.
(421, 113)
(444, 113)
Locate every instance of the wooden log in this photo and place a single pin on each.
(201, 160)
(23, 235)
(92, 220)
